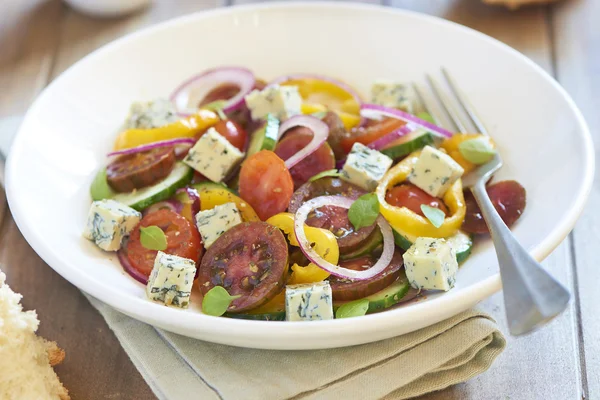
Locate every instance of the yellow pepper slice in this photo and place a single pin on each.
(325, 244)
(211, 197)
(451, 147)
(184, 128)
(405, 220)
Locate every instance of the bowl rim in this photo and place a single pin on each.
(199, 325)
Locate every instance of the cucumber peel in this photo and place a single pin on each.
(264, 138)
(142, 198)
(408, 144)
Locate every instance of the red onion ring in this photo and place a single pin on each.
(390, 137)
(194, 197)
(367, 110)
(135, 274)
(190, 93)
(172, 205)
(311, 254)
(154, 145)
(320, 134)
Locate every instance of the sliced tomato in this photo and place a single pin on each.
(183, 240)
(335, 219)
(346, 290)
(321, 160)
(337, 131)
(410, 196)
(371, 132)
(266, 184)
(509, 199)
(233, 132)
(327, 186)
(249, 260)
(138, 170)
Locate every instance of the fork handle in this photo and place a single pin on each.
(531, 295)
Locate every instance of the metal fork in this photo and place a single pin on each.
(532, 296)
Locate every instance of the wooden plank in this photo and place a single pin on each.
(96, 367)
(577, 64)
(524, 370)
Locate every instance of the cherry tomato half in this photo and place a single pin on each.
(183, 240)
(233, 132)
(409, 196)
(509, 199)
(266, 184)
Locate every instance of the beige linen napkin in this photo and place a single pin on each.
(431, 359)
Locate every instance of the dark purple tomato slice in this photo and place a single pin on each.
(327, 186)
(138, 170)
(295, 140)
(346, 290)
(335, 219)
(337, 131)
(249, 260)
(509, 199)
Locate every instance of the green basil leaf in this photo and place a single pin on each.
(354, 308)
(100, 188)
(426, 117)
(434, 215)
(216, 301)
(216, 106)
(153, 238)
(478, 151)
(364, 211)
(323, 174)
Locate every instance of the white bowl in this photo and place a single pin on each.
(69, 129)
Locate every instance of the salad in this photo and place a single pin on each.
(291, 200)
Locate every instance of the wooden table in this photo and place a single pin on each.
(41, 38)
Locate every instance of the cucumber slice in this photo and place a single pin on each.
(389, 296)
(461, 242)
(142, 198)
(407, 144)
(210, 185)
(274, 316)
(264, 138)
(366, 247)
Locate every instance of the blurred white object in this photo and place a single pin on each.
(107, 8)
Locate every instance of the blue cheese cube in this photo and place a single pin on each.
(151, 114)
(216, 221)
(281, 101)
(435, 172)
(308, 302)
(109, 222)
(392, 94)
(171, 280)
(430, 264)
(365, 167)
(213, 156)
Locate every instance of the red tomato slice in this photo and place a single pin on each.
(183, 240)
(409, 196)
(266, 184)
(321, 160)
(233, 132)
(373, 131)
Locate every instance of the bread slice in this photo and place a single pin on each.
(26, 359)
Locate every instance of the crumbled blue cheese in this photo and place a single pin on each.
(109, 222)
(216, 221)
(171, 280)
(151, 114)
(435, 172)
(430, 264)
(308, 302)
(393, 95)
(365, 167)
(213, 156)
(281, 101)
